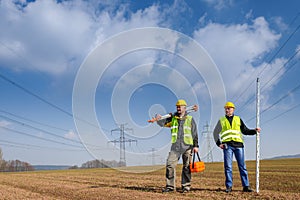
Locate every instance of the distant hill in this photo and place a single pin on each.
(284, 157)
(50, 167)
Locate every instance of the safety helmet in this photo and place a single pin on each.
(229, 105)
(181, 102)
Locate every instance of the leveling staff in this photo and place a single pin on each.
(184, 141)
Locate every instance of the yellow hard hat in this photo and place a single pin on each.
(181, 102)
(229, 105)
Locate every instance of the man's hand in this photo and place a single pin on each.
(258, 129)
(155, 119)
(195, 107)
(195, 149)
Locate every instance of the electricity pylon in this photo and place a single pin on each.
(207, 135)
(122, 140)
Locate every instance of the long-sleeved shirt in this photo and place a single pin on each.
(244, 129)
(179, 145)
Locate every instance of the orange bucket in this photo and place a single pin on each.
(197, 166)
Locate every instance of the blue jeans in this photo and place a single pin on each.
(239, 156)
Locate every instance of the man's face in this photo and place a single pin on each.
(181, 110)
(229, 111)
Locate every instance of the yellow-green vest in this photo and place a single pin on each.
(187, 130)
(233, 132)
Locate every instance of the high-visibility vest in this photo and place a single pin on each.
(187, 130)
(233, 132)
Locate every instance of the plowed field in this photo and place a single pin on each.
(279, 179)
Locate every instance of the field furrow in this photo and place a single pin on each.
(279, 179)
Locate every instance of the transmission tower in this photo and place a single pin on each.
(122, 140)
(207, 135)
(153, 155)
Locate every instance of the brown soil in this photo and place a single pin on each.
(279, 179)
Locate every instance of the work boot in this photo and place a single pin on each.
(168, 190)
(247, 189)
(228, 190)
(185, 189)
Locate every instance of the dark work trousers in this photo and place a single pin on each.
(171, 169)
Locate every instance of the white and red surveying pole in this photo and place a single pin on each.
(258, 134)
(188, 110)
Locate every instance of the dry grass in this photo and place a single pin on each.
(279, 179)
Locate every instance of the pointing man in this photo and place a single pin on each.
(184, 142)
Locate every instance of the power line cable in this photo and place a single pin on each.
(37, 146)
(38, 129)
(33, 121)
(252, 98)
(294, 19)
(259, 74)
(281, 114)
(283, 97)
(13, 145)
(18, 55)
(46, 101)
(49, 133)
(38, 137)
(272, 58)
(279, 100)
(34, 95)
(269, 81)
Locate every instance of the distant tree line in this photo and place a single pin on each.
(99, 164)
(14, 165)
(18, 166)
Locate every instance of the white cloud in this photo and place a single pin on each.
(237, 51)
(54, 37)
(202, 19)
(108, 26)
(249, 15)
(280, 23)
(200, 88)
(219, 4)
(48, 35)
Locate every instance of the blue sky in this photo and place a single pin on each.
(46, 45)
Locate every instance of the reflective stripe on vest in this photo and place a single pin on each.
(187, 130)
(233, 132)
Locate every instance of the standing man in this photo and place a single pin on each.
(228, 136)
(184, 142)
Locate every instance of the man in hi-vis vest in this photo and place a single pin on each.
(228, 136)
(184, 142)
